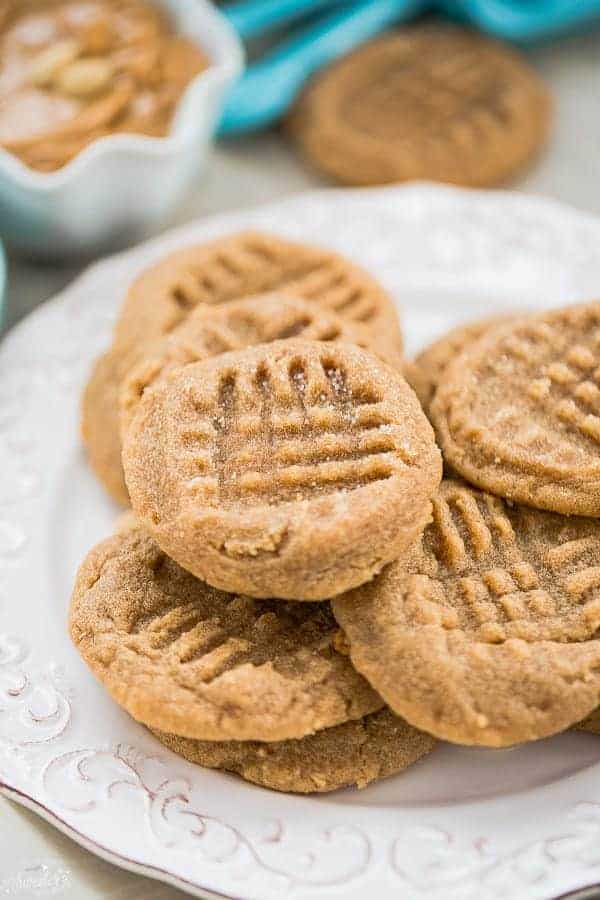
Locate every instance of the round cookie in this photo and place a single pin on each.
(429, 102)
(185, 658)
(427, 370)
(518, 412)
(100, 427)
(209, 331)
(486, 632)
(243, 265)
(295, 469)
(355, 753)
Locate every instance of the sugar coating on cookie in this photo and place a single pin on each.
(428, 369)
(210, 331)
(425, 102)
(518, 412)
(295, 469)
(354, 753)
(242, 265)
(185, 658)
(486, 633)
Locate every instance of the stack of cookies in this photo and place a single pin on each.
(298, 597)
(253, 411)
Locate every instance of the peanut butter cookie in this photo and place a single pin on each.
(427, 370)
(518, 412)
(243, 265)
(100, 427)
(355, 753)
(182, 657)
(295, 469)
(487, 632)
(427, 102)
(209, 331)
(216, 273)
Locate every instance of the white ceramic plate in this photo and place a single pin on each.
(462, 823)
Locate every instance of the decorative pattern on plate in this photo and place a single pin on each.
(83, 780)
(35, 707)
(440, 861)
(413, 237)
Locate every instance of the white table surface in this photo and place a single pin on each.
(35, 859)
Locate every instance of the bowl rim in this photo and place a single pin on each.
(227, 62)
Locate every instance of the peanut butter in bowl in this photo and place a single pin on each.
(73, 71)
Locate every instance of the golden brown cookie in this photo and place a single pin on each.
(295, 469)
(426, 102)
(518, 412)
(207, 331)
(427, 370)
(210, 331)
(355, 753)
(100, 427)
(185, 658)
(216, 273)
(486, 633)
(245, 264)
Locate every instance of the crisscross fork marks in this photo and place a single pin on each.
(189, 636)
(474, 539)
(567, 389)
(300, 434)
(254, 265)
(235, 270)
(219, 632)
(317, 460)
(582, 579)
(332, 286)
(435, 91)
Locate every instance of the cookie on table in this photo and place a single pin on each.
(210, 331)
(427, 370)
(242, 265)
(487, 632)
(427, 102)
(295, 469)
(354, 753)
(518, 413)
(182, 657)
(100, 427)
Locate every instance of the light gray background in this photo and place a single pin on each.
(37, 861)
